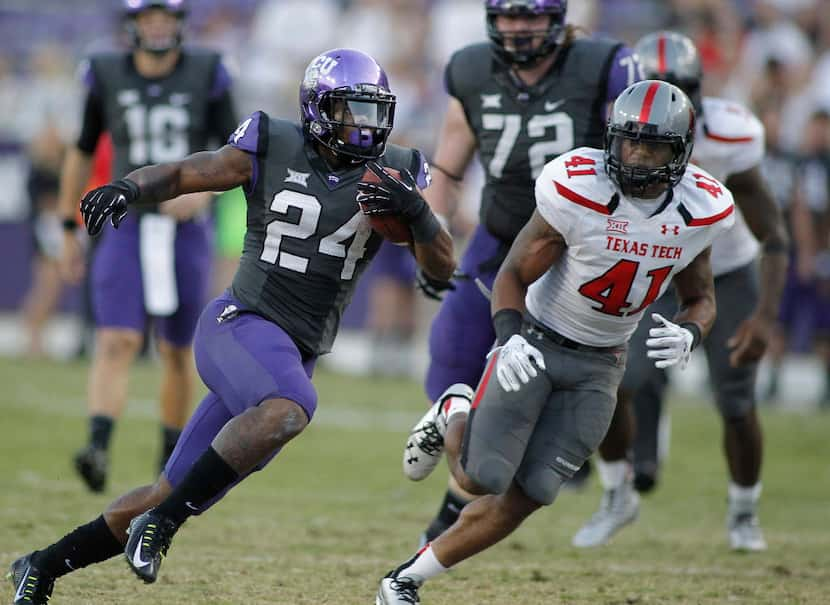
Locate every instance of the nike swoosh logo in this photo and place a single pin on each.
(190, 506)
(69, 564)
(137, 560)
(21, 588)
(550, 106)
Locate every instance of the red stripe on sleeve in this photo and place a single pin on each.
(574, 197)
(723, 139)
(702, 222)
(645, 112)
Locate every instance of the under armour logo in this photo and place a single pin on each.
(298, 178)
(673, 229)
(491, 101)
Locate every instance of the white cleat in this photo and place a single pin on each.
(618, 508)
(745, 532)
(394, 591)
(425, 444)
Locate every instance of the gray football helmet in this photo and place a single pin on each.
(672, 57)
(650, 111)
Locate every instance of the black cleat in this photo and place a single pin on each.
(92, 464)
(32, 587)
(149, 539)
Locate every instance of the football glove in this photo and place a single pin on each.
(391, 195)
(669, 345)
(435, 288)
(111, 200)
(514, 366)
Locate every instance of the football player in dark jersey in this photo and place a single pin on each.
(306, 245)
(535, 91)
(160, 102)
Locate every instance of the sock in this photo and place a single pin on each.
(447, 515)
(85, 545)
(100, 431)
(209, 476)
(744, 499)
(612, 474)
(169, 437)
(420, 568)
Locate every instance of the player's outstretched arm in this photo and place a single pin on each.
(204, 171)
(695, 289)
(766, 223)
(218, 170)
(537, 246)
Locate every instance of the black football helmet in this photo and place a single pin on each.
(524, 55)
(672, 57)
(652, 111)
(132, 8)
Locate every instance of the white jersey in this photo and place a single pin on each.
(728, 140)
(618, 260)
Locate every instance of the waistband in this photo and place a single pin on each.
(536, 327)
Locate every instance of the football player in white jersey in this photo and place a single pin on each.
(610, 230)
(729, 142)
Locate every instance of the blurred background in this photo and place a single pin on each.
(772, 55)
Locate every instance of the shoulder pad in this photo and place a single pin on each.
(703, 200)
(467, 68)
(406, 158)
(253, 133)
(729, 136)
(571, 185)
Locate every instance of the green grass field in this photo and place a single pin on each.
(333, 512)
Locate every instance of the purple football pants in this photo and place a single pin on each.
(462, 332)
(117, 284)
(243, 359)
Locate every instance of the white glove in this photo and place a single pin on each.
(669, 345)
(514, 367)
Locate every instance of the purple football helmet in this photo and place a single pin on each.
(346, 105)
(132, 8)
(523, 52)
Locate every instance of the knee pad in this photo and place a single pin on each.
(541, 483)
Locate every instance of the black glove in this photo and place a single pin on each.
(110, 200)
(435, 288)
(391, 195)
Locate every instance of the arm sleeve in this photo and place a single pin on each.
(419, 167)
(94, 118)
(221, 111)
(93, 123)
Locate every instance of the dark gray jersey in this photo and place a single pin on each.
(518, 129)
(159, 120)
(307, 242)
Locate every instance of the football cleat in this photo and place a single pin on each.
(397, 591)
(745, 532)
(425, 444)
(618, 508)
(92, 464)
(149, 538)
(31, 586)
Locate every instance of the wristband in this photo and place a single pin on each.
(69, 225)
(695, 330)
(425, 227)
(506, 323)
(134, 189)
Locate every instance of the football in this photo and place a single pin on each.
(390, 226)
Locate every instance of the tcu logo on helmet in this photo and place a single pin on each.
(322, 65)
